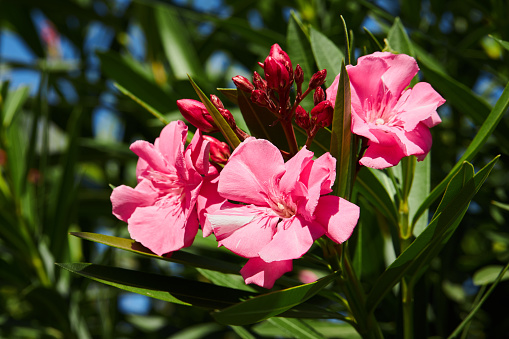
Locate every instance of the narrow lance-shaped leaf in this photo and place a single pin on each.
(341, 146)
(482, 135)
(221, 123)
(13, 103)
(398, 39)
(142, 103)
(327, 54)
(271, 304)
(426, 246)
(172, 289)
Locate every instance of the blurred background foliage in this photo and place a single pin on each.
(65, 130)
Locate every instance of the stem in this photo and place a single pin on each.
(290, 136)
(407, 298)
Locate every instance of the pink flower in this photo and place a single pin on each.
(161, 210)
(284, 208)
(394, 120)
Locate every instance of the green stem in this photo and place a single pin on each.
(407, 298)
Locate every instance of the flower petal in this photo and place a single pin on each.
(338, 216)
(402, 69)
(243, 230)
(126, 199)
(251, 167)
(162, 229)
(379, 156)
(292, 240)
(208, 201)
(293, 169)
(199, 150)
(264, 274)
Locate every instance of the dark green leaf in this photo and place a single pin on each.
(329, 329)
(271, 304)
(143, 104)
(463, 186)
(488, 274)
(484, 132)
(230, 94)
(171, 289)
(502, 43)
(398, 40)
(296, 328)
(327, 55)
(341, 145)
(180, 257)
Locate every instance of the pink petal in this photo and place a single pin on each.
(418, 104)
(126, 199)
(338, 216)
(256, 271)
(252, 166)
(402, 69)
(244, 230)
(417, 142)
(172, 140)
(293, 169)
(162, 229)
(378, 156)
(154, 159)
(199, 150)
(292, 240)
(208, 201)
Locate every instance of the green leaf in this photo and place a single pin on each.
(175, 40)
(420, 189)
(502, 43)
(137, 82)
(226, 280)
(223, 126)
(341, 145)
(461, 189)
(489, 274)
(373, 38)
(230, 94)
(482, 135)
(180, 257)
(296, 328)
(259, 120)
(13, 102)
(197, 331)
(397, 39)
(171, 289)
(327, 55)
(143, 104)
(271, 304)
(374, 191)
(242, 332)
(329, 329)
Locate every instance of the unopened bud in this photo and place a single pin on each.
(321, 114)
(260, 64)
(318, 79)
(318, 96)
(299, 75)
(197, 115)
(227, 115)
(259, 82)
(219, 151)
(280, 56)
(243, 83)
(302, 118)
(216, 101)
(260, 98)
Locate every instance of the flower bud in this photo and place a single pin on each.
(259, 82)
(197, 115)
(216, 101)
(321, 114)
(227, 115)
(280, 56)
(299, 75)
(219, 151)
(302, 118)
(276, 74)
(318, 96)
(260, 98)
(318, 79)
(243, 83)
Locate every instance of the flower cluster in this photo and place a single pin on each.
(256, 204)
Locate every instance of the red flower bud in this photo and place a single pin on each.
(280, 56)
(276, 74)
(299, 75)
(227, 115)
(302, 118)
(216, 101)
(260, 98)
(318, 79)
(318, 96)
(219, 151)
(321, 114)
(197, 115)
(243, 83)
(259, 82)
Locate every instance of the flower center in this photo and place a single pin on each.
(379, 121)
(281, 203)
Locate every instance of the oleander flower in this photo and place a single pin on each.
(395, 120)
(161, 210)
(284, 208)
